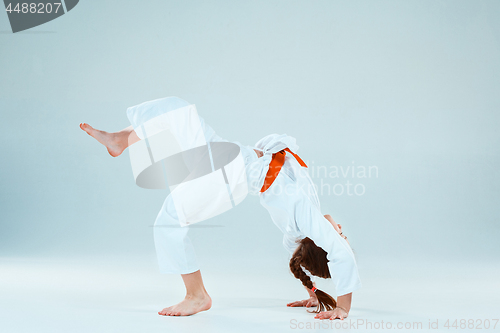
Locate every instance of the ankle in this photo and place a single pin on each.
(201, 294)
(118, 138)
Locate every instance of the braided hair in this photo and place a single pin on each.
(312, 258)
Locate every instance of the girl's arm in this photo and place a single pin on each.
(344, 302)
(341, 264)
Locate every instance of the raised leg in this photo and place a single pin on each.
(115, 142)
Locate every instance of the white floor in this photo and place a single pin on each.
(124, 295)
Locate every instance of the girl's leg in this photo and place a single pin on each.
(197, 298)
(176, 255)
(116, 142)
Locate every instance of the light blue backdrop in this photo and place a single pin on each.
(410, 87)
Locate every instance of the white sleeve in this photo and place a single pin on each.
(342, 264)
(291, 243)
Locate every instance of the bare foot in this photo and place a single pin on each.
(189, 306)
(114, 142)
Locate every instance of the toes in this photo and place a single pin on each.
(86, 127)
(166, 311)
(82, 126)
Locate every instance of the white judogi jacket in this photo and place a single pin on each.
(293, 203)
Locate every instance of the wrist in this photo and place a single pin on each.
(339, 307)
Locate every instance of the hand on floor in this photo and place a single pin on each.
(333, 314)
(312, 301)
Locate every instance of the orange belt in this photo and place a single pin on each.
(275, 167)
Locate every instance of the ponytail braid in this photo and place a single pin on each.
(299, 273)
(325, 301)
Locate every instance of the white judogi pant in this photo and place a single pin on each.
(205, 174)
(174, 250)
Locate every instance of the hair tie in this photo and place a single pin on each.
(314, 289)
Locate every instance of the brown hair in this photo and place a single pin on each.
(313, 258)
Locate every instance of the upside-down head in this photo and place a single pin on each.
(312, 258)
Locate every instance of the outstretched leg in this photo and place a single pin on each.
(196, 300)
(116, 142)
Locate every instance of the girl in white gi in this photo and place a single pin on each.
(315, 242)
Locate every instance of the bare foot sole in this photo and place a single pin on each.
(189, 306)
(112, 141)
